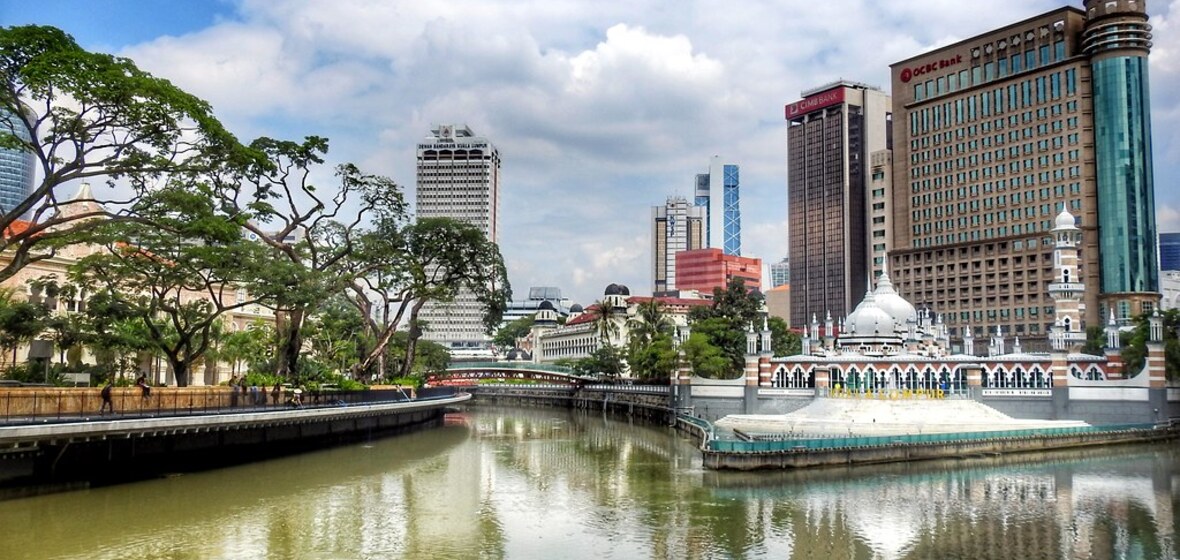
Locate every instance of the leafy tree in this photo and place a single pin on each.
(1095, 341)
(311, 238)
(20, 322)
(177, 271)
(725, 323)
(606, 361)
(88, 115)
(507, 335)
(707, 360)
(429, 357)
(336, 334)
(651, 353)
(443, 256)
(251, 345)
(782, 340)
(1134, 343)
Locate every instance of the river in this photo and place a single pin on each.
(540, 484)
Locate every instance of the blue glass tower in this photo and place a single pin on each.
(720, 189)
(1117, 38)
(731, 193)
(16, 166)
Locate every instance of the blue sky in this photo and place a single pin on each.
(600, 110)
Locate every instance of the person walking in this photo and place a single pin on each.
(144, 387)
(106, 398)
(277, 392)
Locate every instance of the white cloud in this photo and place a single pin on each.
(600, 110)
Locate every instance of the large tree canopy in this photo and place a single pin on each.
(85, 115)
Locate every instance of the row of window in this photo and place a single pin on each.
(1000, 67)
(995, 101)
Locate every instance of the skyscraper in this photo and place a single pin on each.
(999, 133)
(780, 273)
(17, 167)
(676, 226)
(458, 177)
(719, 192)
(831, 134)
(1170, 251)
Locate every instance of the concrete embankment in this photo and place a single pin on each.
(802, 457)
(135, 447)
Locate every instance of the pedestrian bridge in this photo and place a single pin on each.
(471, 373)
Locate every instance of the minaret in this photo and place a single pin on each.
(996, 348)
(1113, 353)
(1067, 288)
(968, 341)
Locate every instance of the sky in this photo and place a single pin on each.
(600, 110)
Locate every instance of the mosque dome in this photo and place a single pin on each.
(546, 306)
(888, 300)
(624, 290)
(611, 290)
(576, 308)
(1065, 220)
(868, 319)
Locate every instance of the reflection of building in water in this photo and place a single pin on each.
(1076, 510)
(445, 502)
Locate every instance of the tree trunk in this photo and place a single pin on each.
(288, 361)
(179, 370)
(412, 339)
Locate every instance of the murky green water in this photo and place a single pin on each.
(545, 484)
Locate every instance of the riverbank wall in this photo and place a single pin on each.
(902, 451)
(102, 450)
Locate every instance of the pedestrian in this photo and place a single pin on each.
(254, 395)
(106, 398)
(277, 392)
(144, 387)
(233, 391)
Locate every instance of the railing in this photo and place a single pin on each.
(814, 444)
(46, 405)
(522, 366)
(646, 389)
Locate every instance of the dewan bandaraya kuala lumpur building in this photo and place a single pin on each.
(997, 134)
(458, 177)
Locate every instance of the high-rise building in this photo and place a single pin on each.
(880, 210)
(458, 177)
(780, 273)
(17, 167)
(705, 269)
(998, 134)
(1170, 251)
(719, 192)
(676, 226)
(831, 134)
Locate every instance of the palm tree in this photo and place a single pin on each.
(604, 315)
(649, 322)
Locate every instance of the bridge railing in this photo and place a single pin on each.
(521, 366)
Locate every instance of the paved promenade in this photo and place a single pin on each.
(867, 417)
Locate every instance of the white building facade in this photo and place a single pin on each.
(458, 176)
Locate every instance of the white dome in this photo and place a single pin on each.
(1065, 220)
(870, 320)
(900, 310)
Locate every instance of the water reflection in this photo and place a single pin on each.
(545, 484)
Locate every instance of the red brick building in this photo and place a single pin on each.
(705, 269)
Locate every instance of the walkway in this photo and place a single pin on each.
(857, 417)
